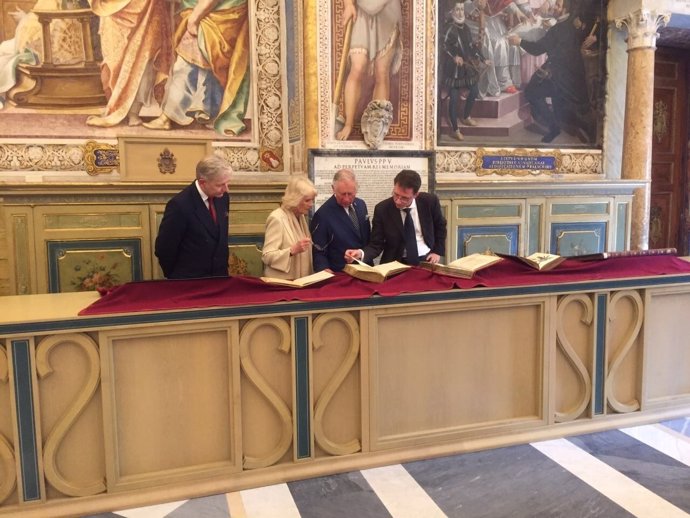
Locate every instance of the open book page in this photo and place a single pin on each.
(301, 282)
(542, 261)
(474, 262)
(463, 267)
(377, 273)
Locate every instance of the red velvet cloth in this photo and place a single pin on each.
(247, 291)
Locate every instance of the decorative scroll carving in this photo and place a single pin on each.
(572, 357)
(41, 157)
(642, 27)
(265, 389)
(335, 382)
(269, 88)
(70, 416)
(624, 350)
(7, 460)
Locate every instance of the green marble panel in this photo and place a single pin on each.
(489, 211)
(579, 208)
(93, 220)
(621, 225)
(534, 231)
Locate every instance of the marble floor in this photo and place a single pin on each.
(642, 471)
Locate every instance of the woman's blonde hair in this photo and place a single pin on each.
(297, 188)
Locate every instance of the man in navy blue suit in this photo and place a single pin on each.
(192, 239)
(340, 223)
(408, 227)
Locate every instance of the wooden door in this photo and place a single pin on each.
(668, 226)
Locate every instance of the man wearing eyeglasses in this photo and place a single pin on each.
(342, 222)
(408, 227)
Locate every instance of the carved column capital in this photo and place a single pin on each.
(642, 26)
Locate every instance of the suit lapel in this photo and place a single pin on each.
(204, 215)
(396, 218)
(288, 227)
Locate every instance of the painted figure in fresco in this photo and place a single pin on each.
(489, 22)
(561, 78)
(375, 47)
(27, 45)
(137, 55)
(210, 78)
(463, 63)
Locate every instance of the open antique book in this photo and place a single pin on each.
(542, 261)
(378, 273)
(463, 267)
(625, 253)
(301, 282)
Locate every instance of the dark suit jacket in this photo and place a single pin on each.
(332, 231)
(387, 230)
(189, 244)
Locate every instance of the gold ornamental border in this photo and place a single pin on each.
(100, 158)
(519, 155)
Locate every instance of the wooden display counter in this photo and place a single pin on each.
(117, 411)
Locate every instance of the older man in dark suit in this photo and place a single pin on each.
(342, 222)
(408, 227)
(192, 239)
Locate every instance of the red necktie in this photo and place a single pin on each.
(212, 210)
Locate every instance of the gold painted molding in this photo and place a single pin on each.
(100, 158)
(469, 161)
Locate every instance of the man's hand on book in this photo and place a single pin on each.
(352, 255)
(433, 258)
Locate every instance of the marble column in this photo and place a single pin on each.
(642, 28)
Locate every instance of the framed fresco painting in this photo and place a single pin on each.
(524, 74)
(92, 69)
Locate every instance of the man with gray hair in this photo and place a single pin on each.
(342, 222)
(193, 235)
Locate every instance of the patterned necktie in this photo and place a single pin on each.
(353, 216)
(212, 210)
(412, 253)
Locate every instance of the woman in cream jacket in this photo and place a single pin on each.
(287, 243)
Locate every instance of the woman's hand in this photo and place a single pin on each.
(300, 246)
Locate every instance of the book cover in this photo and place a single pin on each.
(378, 273)
(465, 267)
(625, 253)
(307, 280)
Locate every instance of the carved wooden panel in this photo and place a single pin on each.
(669, 135)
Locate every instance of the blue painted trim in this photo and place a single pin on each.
(371, 302)
(510, 231)
(600, 226)
(26, 425)
(303, 439)
(600, 354)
